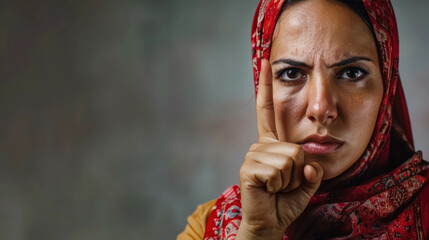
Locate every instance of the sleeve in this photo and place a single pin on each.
(197, 222)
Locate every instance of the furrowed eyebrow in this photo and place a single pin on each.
(350, 60)
(291, 62)
(340, 63)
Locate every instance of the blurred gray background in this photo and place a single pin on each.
(119, 117)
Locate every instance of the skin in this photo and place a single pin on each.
(323, 95)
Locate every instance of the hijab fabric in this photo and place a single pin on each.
(377, 197)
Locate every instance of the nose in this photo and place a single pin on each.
(322, 105)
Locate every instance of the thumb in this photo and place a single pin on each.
(313, 174)
(300, 197)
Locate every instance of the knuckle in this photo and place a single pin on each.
(286, 164)
(248, 156)
(245, 167)
(254, 147)
(294, 150)
(244, 171)
(272, 174)
(297, 152)
(252, 157)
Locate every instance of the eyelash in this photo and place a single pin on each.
(343, 71)
(279, 74)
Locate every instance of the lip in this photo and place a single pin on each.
(316, 144)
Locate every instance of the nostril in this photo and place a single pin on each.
(312, 118)
(321, 116)
(331, 114)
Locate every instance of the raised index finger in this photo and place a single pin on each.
(264, 106)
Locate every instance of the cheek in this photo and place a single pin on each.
(289, 109)
(360, 115)
(360, 107)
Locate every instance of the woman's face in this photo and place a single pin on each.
(327, 85)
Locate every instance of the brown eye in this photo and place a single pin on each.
(352, 73)
(291, 74)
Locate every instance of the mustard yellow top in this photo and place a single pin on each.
(197, 222)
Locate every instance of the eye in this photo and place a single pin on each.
(290, 75)
(352, 73)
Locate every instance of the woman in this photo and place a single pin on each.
(335, 156)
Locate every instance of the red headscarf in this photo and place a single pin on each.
(383, 195)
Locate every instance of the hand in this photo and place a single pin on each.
(276, 185)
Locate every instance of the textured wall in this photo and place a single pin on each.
(412, 21)
(119, 117)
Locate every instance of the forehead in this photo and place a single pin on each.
(321, 26)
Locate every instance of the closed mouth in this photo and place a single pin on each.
(316, 144)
